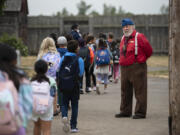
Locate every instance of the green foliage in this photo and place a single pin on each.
(109, 10)
(164, 9)
(94, 13)
(83, 8)
(2, 5)
(63, 13)
(121, 11)
(14, 42)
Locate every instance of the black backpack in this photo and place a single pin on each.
(68, 75)
(84, 53)
(116, 55)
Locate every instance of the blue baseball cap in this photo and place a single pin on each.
(127, 21)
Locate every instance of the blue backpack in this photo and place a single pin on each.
(68, 74)
(102, 57)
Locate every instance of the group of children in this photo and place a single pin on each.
(59, 71)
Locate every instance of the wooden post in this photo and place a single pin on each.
(61, 23)
(91, 24)
(174, 67)
(18, 58)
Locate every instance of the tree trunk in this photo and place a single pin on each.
(174, 66)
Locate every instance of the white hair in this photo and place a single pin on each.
(130, 31)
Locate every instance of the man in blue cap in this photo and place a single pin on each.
(134, 51)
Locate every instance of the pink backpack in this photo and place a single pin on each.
(42, 100)
(10, 119)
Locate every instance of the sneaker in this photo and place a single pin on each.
(88, 90)
(105, 91)
(66, 127)
(74, 130)
(81, 91)
(94, 88)
(110, 79)
(56, 113)
(102, 82)
(97, 90)
(116, 80)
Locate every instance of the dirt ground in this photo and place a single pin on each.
(96, 113)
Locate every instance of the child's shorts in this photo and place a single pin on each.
(102, 77)
(48, 116)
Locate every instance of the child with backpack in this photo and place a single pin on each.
(91, 44)
(71, 68)
(85, 53)
(116, 56)
(49, 53)
(102, 60)
(62, 49)
(62, 45)
(44, 89)
(16, 99)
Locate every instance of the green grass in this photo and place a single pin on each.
(162, 74)
(27, 63)
(158, 61)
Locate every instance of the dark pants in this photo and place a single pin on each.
(134, 76)
(60, 100)
(93, 75)
(74, 106)
(87, 75)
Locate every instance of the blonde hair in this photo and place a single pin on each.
(47, 45)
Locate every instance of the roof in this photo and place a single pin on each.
(15, 5)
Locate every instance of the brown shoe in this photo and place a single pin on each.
(122, 115)
(139, 117)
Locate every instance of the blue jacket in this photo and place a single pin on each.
(80, 60)
(62, 51)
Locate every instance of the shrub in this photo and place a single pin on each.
(17, 43)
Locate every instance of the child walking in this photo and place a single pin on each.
(44, 89)
(71, 68)
(49, 53)
(116, 56)
(91, 44)
(8, 60)
(102, 65)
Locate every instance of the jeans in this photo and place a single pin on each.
(87, 75)
(102, 77)
(60, 100)
(74, 106)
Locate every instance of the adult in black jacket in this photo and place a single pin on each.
(75, 32)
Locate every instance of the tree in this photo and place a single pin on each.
(121, 11)
(83, 8)
(109, 10)
(2, 5)
(94, 13)
(164, 9)
(65, 12)
(58, 14)
(174, 67)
